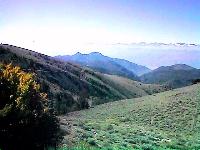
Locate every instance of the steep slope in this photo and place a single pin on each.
(174, 76)
(168, 120)
(69, 86)
(107, 65)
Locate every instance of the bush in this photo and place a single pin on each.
(25, 120)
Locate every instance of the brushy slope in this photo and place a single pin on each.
(166, 120)
(69, 86)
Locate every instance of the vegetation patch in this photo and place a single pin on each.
(168, 120)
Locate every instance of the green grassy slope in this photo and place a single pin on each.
(131, 88)
(168, 120)
(65, 83)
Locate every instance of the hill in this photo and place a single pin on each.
(69, 86)
(175, 76)
(107, 65)
(131, 88)
(168, 120)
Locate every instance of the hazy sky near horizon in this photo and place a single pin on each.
(67, 26)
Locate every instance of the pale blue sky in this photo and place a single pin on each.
(66, 26)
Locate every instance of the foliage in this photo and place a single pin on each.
(83, 146)
(24, 115)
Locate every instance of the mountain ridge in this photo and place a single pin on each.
(176, 67)
(175, 76)
(91, 59)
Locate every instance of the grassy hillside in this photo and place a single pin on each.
(69, 86)
(174, 76)
(166, 120)
(131, 88)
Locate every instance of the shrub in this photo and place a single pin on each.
(25, 120)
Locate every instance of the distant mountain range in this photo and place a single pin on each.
(152, 55)
(108, 65)
(175, 76)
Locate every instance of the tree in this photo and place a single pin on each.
(83, 99)
(25, 120)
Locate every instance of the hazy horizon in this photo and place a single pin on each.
(150, 56)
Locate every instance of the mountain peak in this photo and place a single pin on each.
(176, 67)
(182, 67)
(78, 53)
(95, 53)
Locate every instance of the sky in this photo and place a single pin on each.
(67, 26)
